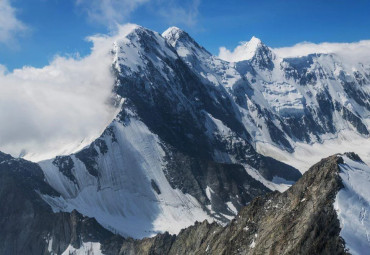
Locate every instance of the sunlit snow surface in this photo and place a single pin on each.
(353, 206)
(305, 155)
(88, 248)
(122, 199)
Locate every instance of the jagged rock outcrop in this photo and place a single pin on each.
(27, 223)
(301, 220)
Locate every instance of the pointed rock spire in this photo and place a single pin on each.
(259, 54)
(184, 44)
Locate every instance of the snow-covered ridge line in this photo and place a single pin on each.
(352, 204)
(285, 101)
(122, 198)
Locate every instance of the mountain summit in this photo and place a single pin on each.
(250, 49)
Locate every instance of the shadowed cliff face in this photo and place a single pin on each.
(301, 220)
(27, 223)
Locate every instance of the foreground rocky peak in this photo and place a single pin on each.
(301, 220)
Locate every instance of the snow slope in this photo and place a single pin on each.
(352, 204)
(89, 248)
(304, 154)
(122, 198)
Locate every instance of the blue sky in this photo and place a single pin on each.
(49, 27)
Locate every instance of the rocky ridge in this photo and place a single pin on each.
(302, 220)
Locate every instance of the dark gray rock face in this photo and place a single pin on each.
(27, 223)
(228, 182)
(65, 165)
(301, 220)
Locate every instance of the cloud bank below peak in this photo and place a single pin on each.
(355, 52)
(58, 108)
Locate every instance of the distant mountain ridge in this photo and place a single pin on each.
(287, 102)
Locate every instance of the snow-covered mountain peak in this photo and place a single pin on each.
(255, 52)
(172, 35)
(183, 43)
(251, 47)
(135, 47)
(129, 30)
(259, 54)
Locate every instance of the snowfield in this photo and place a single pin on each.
(88, 248)
(123, 199)
(353, 206)
(305, 154)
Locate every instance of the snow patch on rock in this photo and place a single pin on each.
(88, 248)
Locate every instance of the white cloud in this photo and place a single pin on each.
(10, 26)
(231, 56)
(244, 51)
(50, 110)
(109, 12)
(353, 52)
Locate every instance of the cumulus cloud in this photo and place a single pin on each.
(356, 51)
(10, 25)
(352, 53)
(244, 51)
(232, 55)
(109, 12)
(54, 109)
